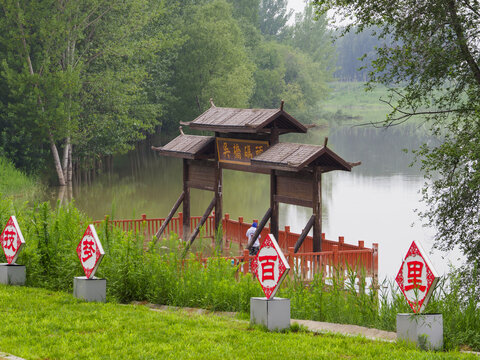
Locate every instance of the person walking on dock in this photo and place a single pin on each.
(250, 232)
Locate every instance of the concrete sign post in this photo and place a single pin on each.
(270, 268)
(90, 253)
(417, 279)
(12, 242)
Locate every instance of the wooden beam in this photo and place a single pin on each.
(260, 227)
(200, 186)
(186, 201)
(245, 168)
(304, 233)
(200, 224)
(170, 215)
(293, 201)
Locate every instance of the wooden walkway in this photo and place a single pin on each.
(336, 255)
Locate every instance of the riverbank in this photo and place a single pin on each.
(16, 184)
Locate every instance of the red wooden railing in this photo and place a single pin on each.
(335, 255)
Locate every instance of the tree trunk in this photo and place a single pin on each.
(56, 160)
(70, 166)
(66, 151)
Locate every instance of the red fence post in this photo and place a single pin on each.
(144, 224)
(361, 244)
(225, 226)
(179, 230)
(335, 257)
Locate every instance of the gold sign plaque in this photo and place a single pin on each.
(239, 151)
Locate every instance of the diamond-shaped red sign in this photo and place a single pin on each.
(90, 251)
(12, 240)
(417, 278)
(270, 266)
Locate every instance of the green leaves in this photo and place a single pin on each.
(213, 62)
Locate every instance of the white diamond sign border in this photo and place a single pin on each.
(20, 241)
(99, 253)
(283, 267)
(431, 277)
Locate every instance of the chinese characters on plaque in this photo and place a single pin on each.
(12, 240)
(90, 252)
(416, 278)
(270, 266)
(239, 151)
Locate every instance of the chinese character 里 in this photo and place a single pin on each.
(414, 276)
(268, 264)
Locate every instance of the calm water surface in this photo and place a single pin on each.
(375, 202)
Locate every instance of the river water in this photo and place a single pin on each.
(375, 202)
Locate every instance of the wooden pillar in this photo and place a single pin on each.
(273, 204)
(218, 195)
(274, 135)
(186, 202)
(317, 210)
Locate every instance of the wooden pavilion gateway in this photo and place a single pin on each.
(248, 140)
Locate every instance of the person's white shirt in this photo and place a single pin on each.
(250, 233)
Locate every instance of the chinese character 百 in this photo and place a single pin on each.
(237, 152)
(226, 151)
(268, 264)
(258, 149)
(88, 249)
(8, 240)
(248, 152)
(414, 274)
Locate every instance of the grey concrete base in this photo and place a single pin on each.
(273, 313)
(425, 330)
(90, 289)
(12, 274)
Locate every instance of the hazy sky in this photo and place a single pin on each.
(296, 5)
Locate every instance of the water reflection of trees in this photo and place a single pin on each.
(381, 151)
(153, 186)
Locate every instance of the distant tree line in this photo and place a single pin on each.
(355, 52)
(83, 80)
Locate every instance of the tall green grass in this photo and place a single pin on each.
(15, 183)
(157, 273)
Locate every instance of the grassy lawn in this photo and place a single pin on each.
(40, 324)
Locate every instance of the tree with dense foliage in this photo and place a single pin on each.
(212, 63)
(75, 72)
(436, 59)
(274, 16)
(295, 69)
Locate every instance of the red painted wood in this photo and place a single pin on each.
(335, 254)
